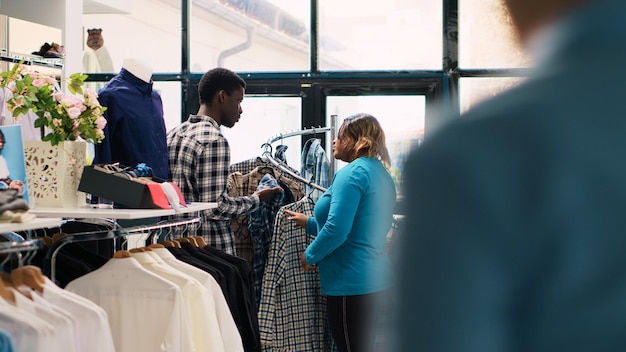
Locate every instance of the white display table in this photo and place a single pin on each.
(88, 212)
(39, 223)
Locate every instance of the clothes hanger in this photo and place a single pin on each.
(30, 276)
(58, 236)
(5, 293)
(156, 245)
(201, 242)
(122, 254)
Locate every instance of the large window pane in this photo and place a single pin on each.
(260, 35)
(487, 38)
(372, 35)
(478, 89)
(149, 30)
(264, 118)
(170, 95)
(401, 117)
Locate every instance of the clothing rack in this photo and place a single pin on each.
(50, 258)
(267, 153)
(19, 247)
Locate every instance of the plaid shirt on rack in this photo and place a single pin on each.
(292, 313)
(199, 158)
(242, 184)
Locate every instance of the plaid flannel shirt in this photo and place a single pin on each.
(292, 312)
(199, 159)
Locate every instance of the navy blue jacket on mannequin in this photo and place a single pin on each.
(135, 130)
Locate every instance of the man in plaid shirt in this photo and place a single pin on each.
(199, 157)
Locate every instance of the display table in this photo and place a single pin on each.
(87, 212)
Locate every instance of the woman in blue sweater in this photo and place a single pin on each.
(351, 220)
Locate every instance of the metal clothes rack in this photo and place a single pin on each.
(19, 248)
(49, 262)
(267, 153)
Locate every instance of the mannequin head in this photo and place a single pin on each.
(138, 68)
(94, 38)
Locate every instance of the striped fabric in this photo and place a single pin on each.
(292, 313)
(199, 158)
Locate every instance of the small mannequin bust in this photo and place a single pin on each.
(139, 69)
(94, 38)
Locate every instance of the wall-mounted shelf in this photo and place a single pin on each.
(31, 59)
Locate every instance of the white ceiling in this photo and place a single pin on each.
(107, 6)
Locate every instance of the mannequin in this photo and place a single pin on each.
(138, 68)
(135, 130)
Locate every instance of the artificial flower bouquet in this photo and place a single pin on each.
(62, 117)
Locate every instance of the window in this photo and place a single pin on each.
(487, 38)
(262, 119)
(370, 35)
(401, 117)
(261, 35)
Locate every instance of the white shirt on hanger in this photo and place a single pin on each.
(28, 332)
(230, 334)
(146, 312)
(64, 339)
(93, 332)
(204, 325)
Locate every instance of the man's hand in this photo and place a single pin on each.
(268, 194)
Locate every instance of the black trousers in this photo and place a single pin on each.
(353, 320)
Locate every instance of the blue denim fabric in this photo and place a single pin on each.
(260, 226)
(315, 167)
(280, 153)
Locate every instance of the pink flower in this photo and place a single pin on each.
(38, 83)
(101, 122)
(58, 96)
(74, 112)
(57, 122)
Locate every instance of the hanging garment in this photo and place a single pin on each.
(246, 184)
(260, 227)
(292, 312)
(93, 332)
(228, 329)
(63, 326)
(28, 332)
(200, 310)
(6, 344)
(248, 165)
(240, 301)
(146, 312)
(315, 167)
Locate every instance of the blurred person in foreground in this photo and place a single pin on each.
(515, 236)
(351, 220)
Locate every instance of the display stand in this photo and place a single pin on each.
(87, 212)
(39, 223)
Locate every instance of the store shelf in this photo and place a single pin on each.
(38, 223)
(88, 212)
